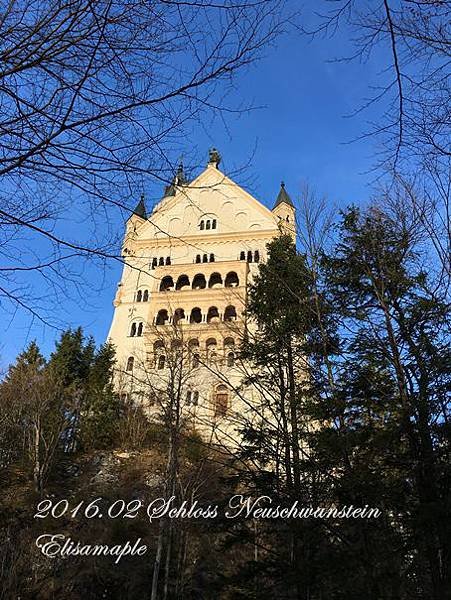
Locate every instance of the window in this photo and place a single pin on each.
(230, 313)
(139, 296)
(196, 315)
(195, 398)
(196, 361)
(154, 262)
(198, 260)
(161, 262)
(230, 359)
(215, 280)
(213, 314)
(133, 330)
(199, 282)
(201, 225)
(179, 315)
(242, 255)
(130, 362)
(162, 317)
(146, 296)
(256, 256)
(205, 258)
(182, 281)
(161, 362)
(208, 225)
(140, 329)
(166, 284)
(213, 224)
(192, 397)
(221, 400)
(232, 280)
(168, 260)
(249, 256)
(188, 396)
(212, 258)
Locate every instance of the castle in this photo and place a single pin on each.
(180, 305)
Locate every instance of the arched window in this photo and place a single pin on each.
(154, 263)
(208, 225)
(146, 296)
(232, 280)
(198, 259)
(158, 346)
(230, 313)
(188, 396)
(213, 224)
(195, 398)
(199, 282)
(210, 344)
(215, 280)
(133, 329)
(139, 331)
(201, 225)
(176, 345)
(212, 258)
(130, 361)
(179, 315)
(162, 317)
(242, 255)
(249, 256)
(229, 343)
(168, 260)
(139, 296)
(196, 315)
(182, 281)
(213, 314)
(221, 400)
(161, 362)
(205, 258)
(193, 344)
(161, 262)
(166, 284)
(256, 256)
(230, 359)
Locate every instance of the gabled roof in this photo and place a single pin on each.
(283, 197)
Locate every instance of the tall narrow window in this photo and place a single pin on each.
(168, 260)
(139, 296)
(221, 401)
(201, 225)
(154, 263)
(133, 330)
(256, 256)
(146, 296)
(130, 362)
(196, 360)
(205, 258)
(161, 262)
(212, 258)
(198, 260)
(140, 330)
(213, 224)
(242, 255)
(208, 225)
(249, 256)
(195, 398)
(230, 359)
(161, 362)
(188, 397)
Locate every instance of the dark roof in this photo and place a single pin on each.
(178, 179)
(283, 197)
(140, 209)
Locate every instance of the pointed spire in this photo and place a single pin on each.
(140, 209)
(178, 179)
(283, 196)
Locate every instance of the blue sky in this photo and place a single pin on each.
(301, 133)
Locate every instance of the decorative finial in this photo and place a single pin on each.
(214, 157)
(282, 184)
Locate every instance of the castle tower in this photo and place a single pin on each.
(184, 283)
(285, 213)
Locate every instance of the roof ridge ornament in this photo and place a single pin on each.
(214, 158)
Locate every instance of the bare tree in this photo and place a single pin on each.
(94, 99)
